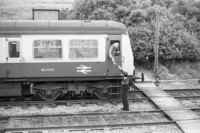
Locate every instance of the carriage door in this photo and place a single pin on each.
(113, 70)
(13, 59)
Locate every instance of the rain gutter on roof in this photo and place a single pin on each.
(60, 27)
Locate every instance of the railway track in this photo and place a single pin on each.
(40, 104)
(135, 96)
(96, 113)
(107, 121)
(174, 81)
(74, 122)
(85, 128)
(185, 93)
(94, 121)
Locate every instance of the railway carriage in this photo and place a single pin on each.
(50, 58)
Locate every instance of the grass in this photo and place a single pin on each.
(186, 70)
(172, 71)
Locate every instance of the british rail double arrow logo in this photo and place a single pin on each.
(84, 69)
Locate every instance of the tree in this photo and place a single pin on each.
(179, 31)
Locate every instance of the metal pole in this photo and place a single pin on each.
(156, 49)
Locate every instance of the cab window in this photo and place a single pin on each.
(83, 49)
(14, 49)
(47, 49)
(115, 51)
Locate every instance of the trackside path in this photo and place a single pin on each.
(187, 120)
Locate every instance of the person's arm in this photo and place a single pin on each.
(121, 70)
(110, 54)
(110, 51)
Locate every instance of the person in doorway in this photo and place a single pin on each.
(113, 51)
(124, 90)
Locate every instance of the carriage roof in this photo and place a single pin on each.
(32, 27)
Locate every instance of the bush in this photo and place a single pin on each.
(190, 47)
(179, 33)
(142, 40)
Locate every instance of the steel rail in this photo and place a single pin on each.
(195, 109)
(193, 89)
(167, 81)
(178, 97)
(184, 90)
(91, 127)
(170, 81)
(178, 90)
(187, 97)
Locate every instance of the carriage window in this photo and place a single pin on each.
(47, 49)
(83, 49)
(14, 49)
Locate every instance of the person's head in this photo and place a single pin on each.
(116, 45)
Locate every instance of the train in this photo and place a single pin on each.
(62, 58)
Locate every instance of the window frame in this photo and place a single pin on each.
(82, 59)
(14, 40)
(33, 48)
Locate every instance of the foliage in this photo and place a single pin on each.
(179, 24)
(142, 40)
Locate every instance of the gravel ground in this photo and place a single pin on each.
(94, 108)
(32, 110)
(32, 122)
(192, 103)
(180, 85)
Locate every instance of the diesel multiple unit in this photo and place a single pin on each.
(51, 58)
